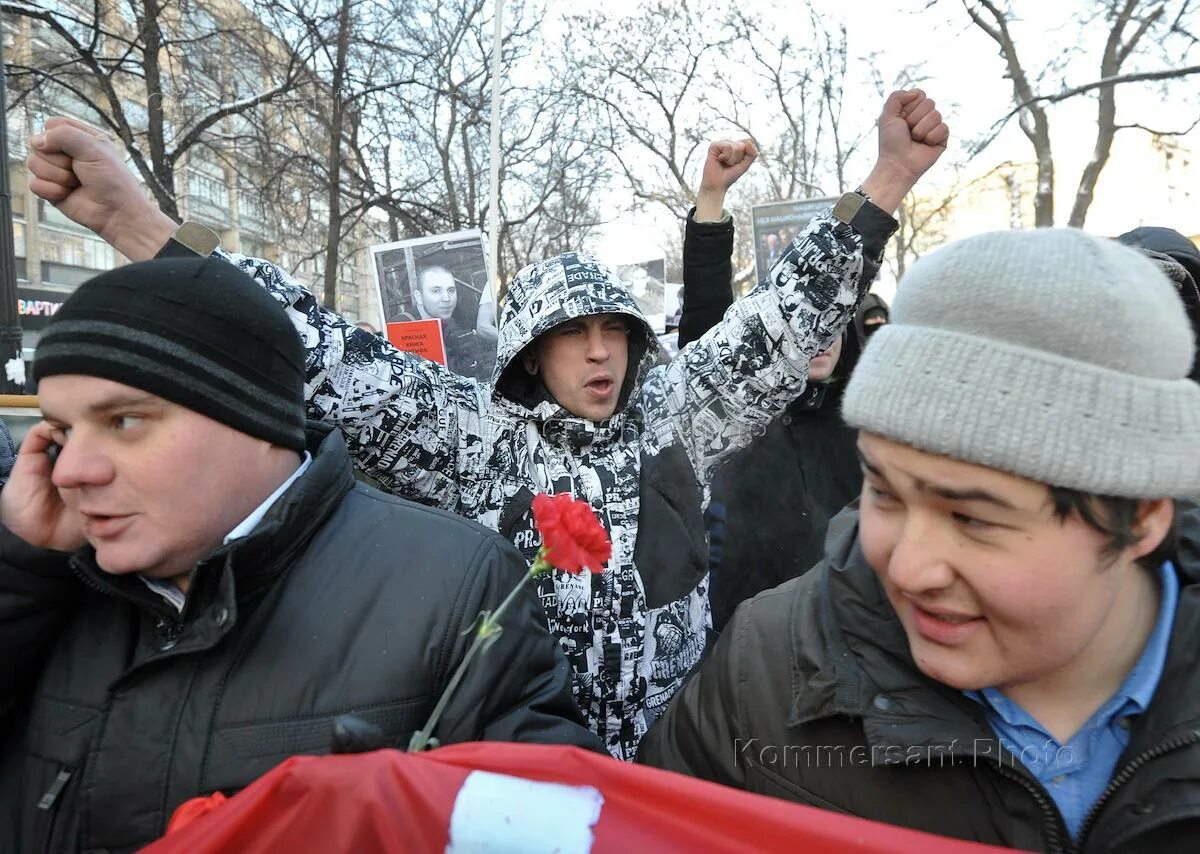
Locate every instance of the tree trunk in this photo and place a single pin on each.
(337, 118)
(164, 169)
(1043, 198)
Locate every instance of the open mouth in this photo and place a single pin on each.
(601, 386)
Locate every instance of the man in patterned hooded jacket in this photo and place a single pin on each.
(576, 404)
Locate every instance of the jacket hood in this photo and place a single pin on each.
(873, 305)
(556, 290)
(1180, 260)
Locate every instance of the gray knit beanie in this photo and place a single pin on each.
(1051, 354)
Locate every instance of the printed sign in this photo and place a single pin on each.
(645, 282)
(445, 278)
(423, 337)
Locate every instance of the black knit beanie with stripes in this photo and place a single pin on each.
(195, 331)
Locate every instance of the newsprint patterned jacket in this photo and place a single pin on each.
(633, 633)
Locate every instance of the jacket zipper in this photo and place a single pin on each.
(166, 622)
(1054, 825)
(49, 804)
(56, 788)
(1126, 773)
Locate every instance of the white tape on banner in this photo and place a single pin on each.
(495, 813)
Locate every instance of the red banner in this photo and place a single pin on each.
(515, 797)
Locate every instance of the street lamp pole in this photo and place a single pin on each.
(12, 375)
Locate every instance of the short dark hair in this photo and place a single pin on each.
(1114, 517)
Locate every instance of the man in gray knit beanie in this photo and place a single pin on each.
(999, 643)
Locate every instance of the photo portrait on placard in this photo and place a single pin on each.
(442, 277)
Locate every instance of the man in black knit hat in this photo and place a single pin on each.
(193, 587)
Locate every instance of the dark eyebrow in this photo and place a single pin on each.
(113, 404)
(126, 401)
(967, 495)
(867, 464)
(942, 491)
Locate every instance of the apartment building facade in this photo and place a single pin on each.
(214, 185)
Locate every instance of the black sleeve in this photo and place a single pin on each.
(38, 594)
(519, 689)
(707, 276)
(698, 733)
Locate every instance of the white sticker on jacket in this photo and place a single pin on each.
(497, 813)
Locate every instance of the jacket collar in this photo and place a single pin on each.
(557, 426)
(812, 398)
(863, 667)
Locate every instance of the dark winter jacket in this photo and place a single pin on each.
(811, 695)
(772, 501)
(114, 709)
(633, 633)
(8, 453)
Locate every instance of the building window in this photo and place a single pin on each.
(251, 210)
(208, 187)
(253, 248)
(61, 248)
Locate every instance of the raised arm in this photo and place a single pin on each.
(404, 417)
(708, 240)
(727, 386)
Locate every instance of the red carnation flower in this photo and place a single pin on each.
(572, 536)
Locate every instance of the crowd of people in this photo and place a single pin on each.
(936, 566)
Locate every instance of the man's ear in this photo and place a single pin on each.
(530, 361)
(1154, 518)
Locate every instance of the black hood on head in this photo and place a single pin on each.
(1164, 246)
(872, 304)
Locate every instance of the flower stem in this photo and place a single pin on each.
(488, 628)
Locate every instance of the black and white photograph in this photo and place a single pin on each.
(645, 281)
(442, 277)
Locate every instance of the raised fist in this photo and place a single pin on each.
(727, 161)
(78, 168)
(912, 135)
